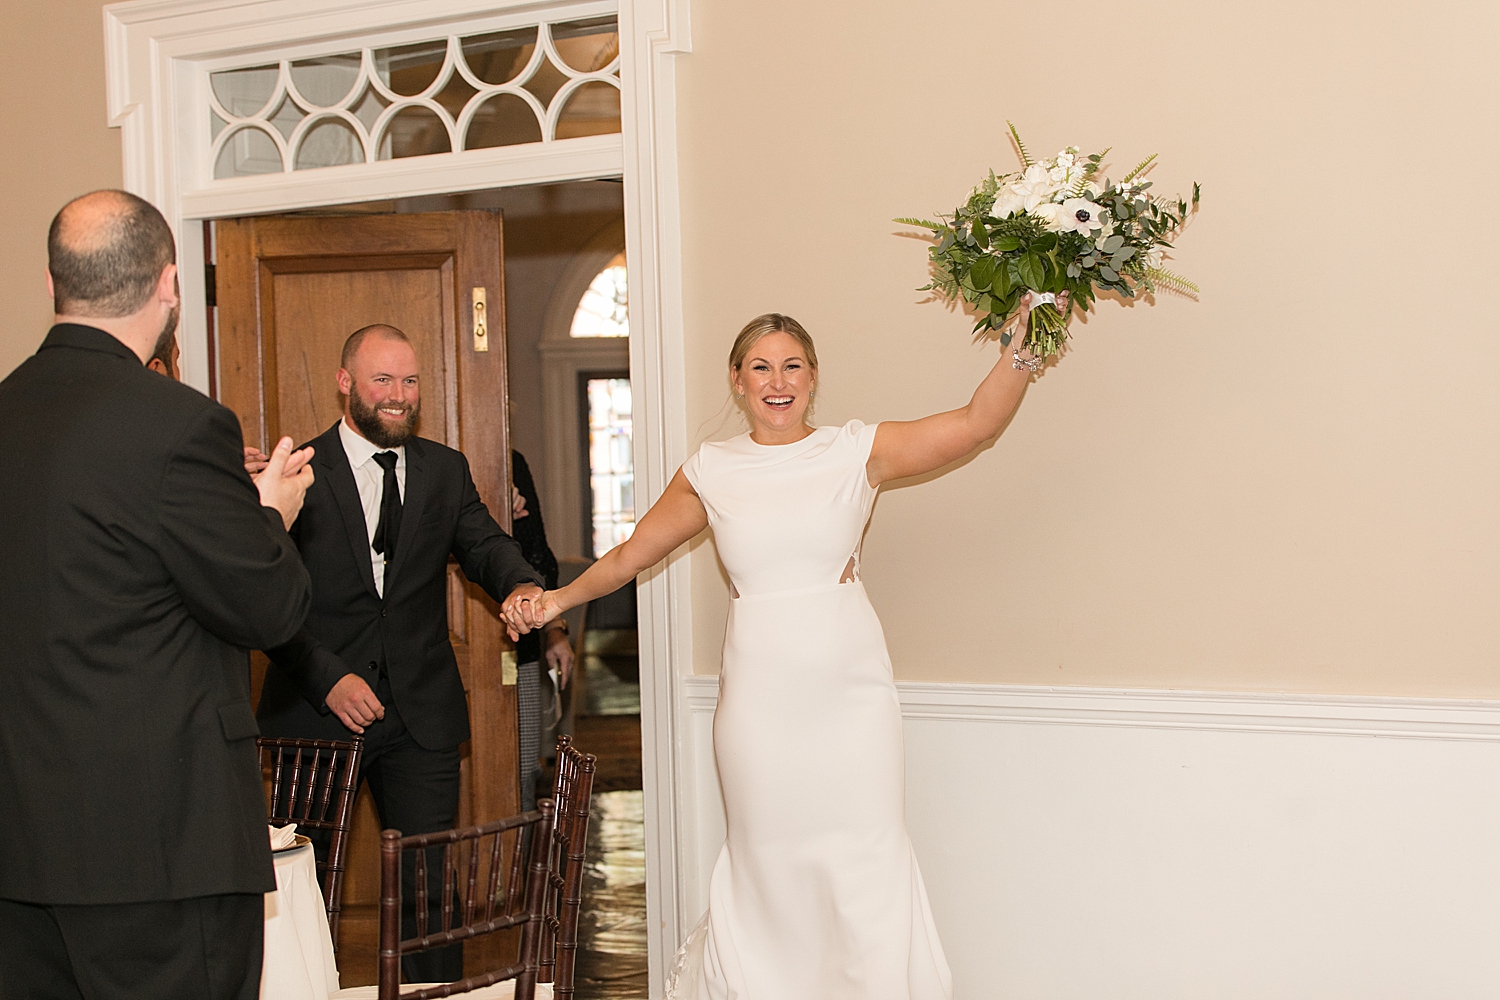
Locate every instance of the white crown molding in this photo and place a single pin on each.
(1252, 712)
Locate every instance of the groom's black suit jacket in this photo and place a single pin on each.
(352, 629)
(138, 568)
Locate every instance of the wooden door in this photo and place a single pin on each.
(289, 291)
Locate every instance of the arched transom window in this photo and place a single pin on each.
(602, 310)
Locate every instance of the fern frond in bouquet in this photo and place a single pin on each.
(1054, 227)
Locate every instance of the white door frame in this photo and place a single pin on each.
(158, 56)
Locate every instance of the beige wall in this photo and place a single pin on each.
(1291, 485)
(57, 146)
(1291, 492)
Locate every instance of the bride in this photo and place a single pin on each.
(816, 894)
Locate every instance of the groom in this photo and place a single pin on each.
(386, 511)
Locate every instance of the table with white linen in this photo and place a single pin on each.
(299, 949)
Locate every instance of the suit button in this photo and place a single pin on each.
(374, 665)
(382, 612)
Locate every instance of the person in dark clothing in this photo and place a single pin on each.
(388, 510)
(141, 565)
(550, 644)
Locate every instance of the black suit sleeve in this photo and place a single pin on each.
(486, 554)
(234, 565)
(312, 666)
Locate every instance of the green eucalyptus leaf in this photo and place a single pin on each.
(1108, 273)
(1114, 243)
(1074, 270)
(1088, 261)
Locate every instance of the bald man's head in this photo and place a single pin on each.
(105, 252)
(358, 337)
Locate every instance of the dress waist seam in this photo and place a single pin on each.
(799, 592)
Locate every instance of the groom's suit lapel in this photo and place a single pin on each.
(413, 502)
(334, 463)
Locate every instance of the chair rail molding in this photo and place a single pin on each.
(159, 58)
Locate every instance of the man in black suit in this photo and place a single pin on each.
(141, 563)
(387, 510)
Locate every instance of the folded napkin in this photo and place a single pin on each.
(283, 836)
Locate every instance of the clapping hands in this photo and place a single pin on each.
(282, 478)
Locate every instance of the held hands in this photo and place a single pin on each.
(284, 480)
(527, 608)
(354, 703)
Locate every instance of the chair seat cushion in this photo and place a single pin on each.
(499, 991)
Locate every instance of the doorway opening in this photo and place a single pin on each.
(552, 244)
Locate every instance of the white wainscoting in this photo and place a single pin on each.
(1100, 844)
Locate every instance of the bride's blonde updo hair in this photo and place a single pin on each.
(770, 323)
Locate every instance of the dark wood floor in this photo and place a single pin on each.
(612, 920)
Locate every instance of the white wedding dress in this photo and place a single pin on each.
(816, 894)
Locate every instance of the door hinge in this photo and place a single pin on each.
(210, 285)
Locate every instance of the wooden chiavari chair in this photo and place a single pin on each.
(564, 891)
(491, 878)
(313, 784)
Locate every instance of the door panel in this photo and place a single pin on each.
(316, 310)
(290, 291)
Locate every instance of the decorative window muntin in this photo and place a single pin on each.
(295, 114)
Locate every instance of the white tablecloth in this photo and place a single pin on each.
(299, 950)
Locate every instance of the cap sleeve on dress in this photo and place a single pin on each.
(864, 439)
(691, 469)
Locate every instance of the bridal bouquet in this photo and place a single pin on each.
(1054, 227)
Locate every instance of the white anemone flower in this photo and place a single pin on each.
(1079, 215)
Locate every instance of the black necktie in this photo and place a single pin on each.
(389, 528)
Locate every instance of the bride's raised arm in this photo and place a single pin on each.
(906, 448)
(676, 516)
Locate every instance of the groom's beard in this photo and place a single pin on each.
(376, 428)
(163, 348)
